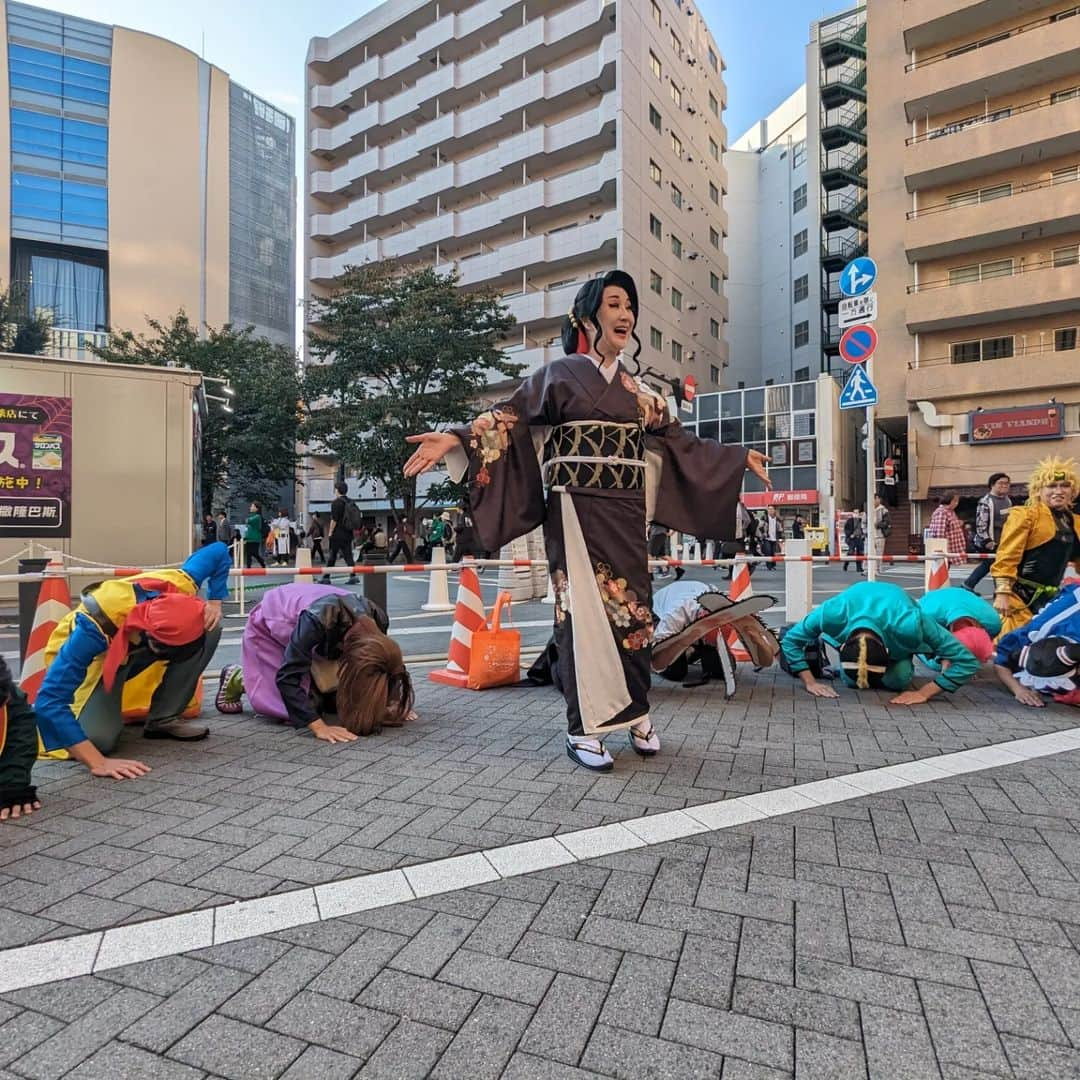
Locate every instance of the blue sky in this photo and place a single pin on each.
(263, 44)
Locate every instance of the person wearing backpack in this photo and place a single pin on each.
(258, 529)
(345, 518)
(990, 517)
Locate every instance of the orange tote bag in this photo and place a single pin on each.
(496, 653)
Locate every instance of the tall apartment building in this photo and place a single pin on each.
(137, 179)
(532, 147)
(774, 334)
(974, 118)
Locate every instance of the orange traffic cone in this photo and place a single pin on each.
(54, 602)
(468, 618)
(741, 588)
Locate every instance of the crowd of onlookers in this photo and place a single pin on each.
(341, 535)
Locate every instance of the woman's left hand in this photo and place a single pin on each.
(757, 462)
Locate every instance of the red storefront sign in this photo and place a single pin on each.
(757, 500)
(1017, 425)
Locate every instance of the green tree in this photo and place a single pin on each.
(253, 449)
(399, 353)
(22, 330)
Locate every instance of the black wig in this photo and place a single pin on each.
(587, 304)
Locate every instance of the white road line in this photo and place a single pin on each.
(171, 935)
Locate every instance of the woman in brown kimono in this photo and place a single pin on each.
(592, 453)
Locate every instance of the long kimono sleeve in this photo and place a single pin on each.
(499, 452)
(697, 481)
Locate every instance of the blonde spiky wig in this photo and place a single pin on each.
(1049, 470)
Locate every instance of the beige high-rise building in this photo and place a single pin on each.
(138, 179)
(532, 146)
(974, 135)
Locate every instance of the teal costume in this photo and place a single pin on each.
(946, 606)
(903, 627)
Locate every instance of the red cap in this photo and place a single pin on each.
(172, 619)
(977, 642)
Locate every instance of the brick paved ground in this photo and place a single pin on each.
(259, 809)
(930, 931)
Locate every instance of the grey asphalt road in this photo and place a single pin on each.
(427, 634)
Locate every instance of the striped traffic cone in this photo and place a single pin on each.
(468, 618)
(937, 565)
(740, 589)
(54, 602)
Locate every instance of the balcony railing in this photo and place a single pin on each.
(75, 344)
(993, 39)
(956, 126)
(851, 115)
(1032, 267)
(1019, 189)
(849, 29)
(1018, 350)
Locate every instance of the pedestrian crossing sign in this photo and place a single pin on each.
(859, 391)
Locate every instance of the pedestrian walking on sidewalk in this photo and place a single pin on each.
(990, 517)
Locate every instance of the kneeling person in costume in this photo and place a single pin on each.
(150, 626)
(1043, 656)
(969, 618)
(693, 617)
(1037, 543)
(313, 650)
(878, 629)
(18, 750)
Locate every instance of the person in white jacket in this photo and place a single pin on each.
(280, 531)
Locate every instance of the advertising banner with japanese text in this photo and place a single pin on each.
(35, 466)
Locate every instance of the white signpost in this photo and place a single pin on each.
(857, 309)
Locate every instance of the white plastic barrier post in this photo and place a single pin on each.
(538, 551)
(710, 549)
(438, 597)
(937, 568)
(798, 581)
(516, 580)
(303, 560)
(549, 596)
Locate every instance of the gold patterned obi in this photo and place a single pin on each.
(591, 454)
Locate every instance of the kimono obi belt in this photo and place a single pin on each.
(591, 454)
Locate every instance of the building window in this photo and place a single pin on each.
(798, 154)
(714, 281)
(1067, 256)
(802, 334)
(58, 75)
(714, 237)
(654, 116)
(1068, 13)
(656, 174)
(655, 66)
(676, 45)
(714, 60)
(714, 105)
(676, 196)
(676, 299)
(714, 329)
(802, 288)
(656, 17)
(714, 375)
(59, 139)
(1065, 339)
(1065, 176)
(676, 351)
(676, 96)
(655, 227)
(676, 246)
(714, 149)
(656, 283)
(714, 193)
(676, 145)
(802, 374)
(656, 338)
(801, 243)
(1065, 95)
(50, 199)
(798, 199)
(72, 289)
(970, 352)
(963, 275)
(980, 195)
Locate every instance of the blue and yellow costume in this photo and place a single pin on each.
(76, 650)
(894, 617)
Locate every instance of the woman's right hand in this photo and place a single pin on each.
(820, 690)
(1003, 603)
(1029, 697)
(432, 447)
(119, 769)
(331, 733)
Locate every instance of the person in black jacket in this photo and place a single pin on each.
(341, 537)
(18, 750)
